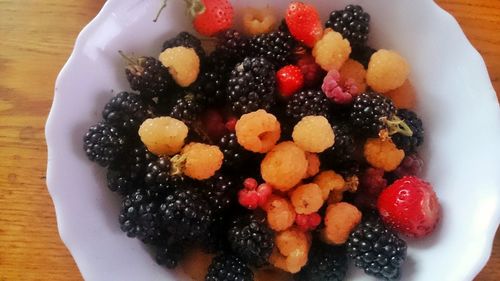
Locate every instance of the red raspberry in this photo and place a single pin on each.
(308, 222)
(213, 124)
(410, 206)
(372, 182)
(335, 90)
(290, 80)
(410, 166)
(312, 72)
(248, 198)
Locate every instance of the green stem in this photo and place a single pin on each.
(397, 126)
(163, 6)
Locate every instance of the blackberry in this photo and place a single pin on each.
(220, 191)
(308, 102)
(370, 111)
(227, 267)
(148, 76)
(187, 107)
(170, 252)
(344, 148)
(325, 263)
(126, 111)
(409, 143)
(140, 217)
(231, 46)
(352, 22)
(185, 39)
(212, 81)
(251, 239)
(376, 250)
(251, 86)
(362, 54)
(277, 47)
(103, 143)
(235, 155)
(157, 176)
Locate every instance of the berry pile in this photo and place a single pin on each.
(288, 149)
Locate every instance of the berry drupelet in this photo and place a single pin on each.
(325, 263)
(352, 22)
(157, 176)
(308, 102)
(277, 47)
(185, 39)
(103, 143)
(220, 192)
(231, 46)
(369, 113)
(235, 155)
(127, 111)
(376, 250)
(227, 267)
(187, 107)
(344, 148)
(409, 143)
(251, 86)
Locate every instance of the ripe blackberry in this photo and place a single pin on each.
(169, 252)
(308, 102)
(235, 155)
(220, 192)
(277, 47)
(377, 250)
(148, 76)
(370, 111)
(212, 81)
(126, 111)
(231, 46)
(251, 86)
(344, 148)
(362, 54)
(409, 143)
(352, 22)
(185, 39)
(325, 263)
(157, 176)
(103, 143)
(251, 239)
(187, 107)
(140, 217)
(227, 267)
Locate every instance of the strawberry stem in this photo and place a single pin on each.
(163, 6)
(195, 7)
(127, 58)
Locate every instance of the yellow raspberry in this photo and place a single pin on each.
(313, 164)
(340, 220)
(313, 134)
(182, 63)
(163, 135)
(307, 198)
(331, 51)
(284, 166)
(404, 96)
(271, 274)
(387, 70)
(292, 250)
(258, 21)
(329, 181)
(280, 213)
(201, 160)
(355, 71)
(383, 154)
(195, 264)
(258, 131)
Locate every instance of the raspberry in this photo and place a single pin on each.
(284, 166)
(383, 154)
(410, 166)
(313, 134)
(258, 21)
(338, 91)
(258, 131)
(387, 71)
(372, 182)
(280, 213)
(195, 264)
(352, 22)
(212, 124)
(340, 220)
(308, 222)
(182, 63)
(335, 197)
(308, 102)
(331, 51)
(329, 181)
(201, 160)
(289, 79)
(307, 198)
(355, 71)
(312, 72)
(313, 164)
(403, 96)
(163, 135)
(292, 250)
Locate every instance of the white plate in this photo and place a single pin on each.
(457, 104)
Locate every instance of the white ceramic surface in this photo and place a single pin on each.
(457, 104)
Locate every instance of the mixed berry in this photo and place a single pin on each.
(289, 152)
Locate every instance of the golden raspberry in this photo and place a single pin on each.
(307, 198)
(258, 21)
(383, 154)
(280, 213)
(195, 264)
(404, 96)
(272, 274)
(284, 166)
(182, 63)
(340, 220)
(292, 250)
(387, 70)
(201, 160)
(163, 135)
(313, 134)
(258, 131)
(355, 71)
(313, 164)
(329, 181)
(331, 51)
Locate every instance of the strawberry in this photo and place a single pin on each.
(410, 206)
(304, 23)
(211, 16)
(290, 80)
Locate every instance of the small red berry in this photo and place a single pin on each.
(213, 124)
(410, 206)
(312, 72)
(304, 23)
(248, 198)
(264, 191)
(290, 80)
(250, 183)
(308, 222)
(231, 124)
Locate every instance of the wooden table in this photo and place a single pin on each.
(36, 38)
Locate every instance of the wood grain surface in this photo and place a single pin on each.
(36, 38)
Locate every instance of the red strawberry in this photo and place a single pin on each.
(304, 23)
(290, 80)
(211, 16)
(410, 206)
